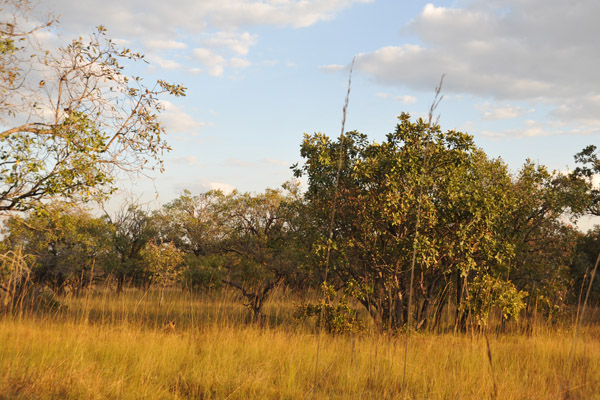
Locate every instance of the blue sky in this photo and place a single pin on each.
(521, 76)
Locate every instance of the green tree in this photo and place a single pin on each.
(259, 244)
(249, 242)
(193, 223)
(197, 226)
(582, 266)
(68, 246)
(132, 229)
(477, 223)
(376, 208)
(588, 166)
(163, 262)
(534, 224)
(74, 118)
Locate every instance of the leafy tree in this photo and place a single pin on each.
(193, 223)
(132, 229)
(74, 118)
(476, 222)
(376, 209)
(250, 242)
(68, 246)
(582, 266)
(197, 226)
(259, 244)
(163, 262)
(534, 224)
(589, 165)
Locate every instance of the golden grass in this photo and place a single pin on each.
(103, 347)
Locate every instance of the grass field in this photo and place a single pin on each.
(117, 347)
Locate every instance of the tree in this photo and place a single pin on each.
(379, 186)
(259, 244)
(196, 225)
(68, 246)
(132, 229)
(534, 224)
(163, 262)
(589, 165)
(583, 265)
(480, 229)
(74, 118)
(193, 223)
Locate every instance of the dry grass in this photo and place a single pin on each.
(116, 347)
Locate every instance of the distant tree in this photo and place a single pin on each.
(259, 245)
(589, 166)
(71, 118)
(585, 257)
(67, 245)
(132, 229)
(163, 261)
(193, 223)
(196, 225)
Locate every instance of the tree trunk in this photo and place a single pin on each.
(120, 280)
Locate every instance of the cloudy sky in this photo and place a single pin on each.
(521, 76)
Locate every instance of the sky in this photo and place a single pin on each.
(520, 76)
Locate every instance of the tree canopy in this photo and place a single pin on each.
(71, 117)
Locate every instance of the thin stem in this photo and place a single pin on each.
(332, 218)
(436, 101)
(565, 374)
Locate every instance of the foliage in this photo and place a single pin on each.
(586, 254)
(246, 241)
(132, 227)
(163, 262)
(476, 220)
(203, 272)
(74, 118)
(68, 247)
(335, 316)
(195, 224)
(486, 292)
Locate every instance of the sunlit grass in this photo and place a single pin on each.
(104, 346)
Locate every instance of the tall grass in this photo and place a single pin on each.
(106, 346)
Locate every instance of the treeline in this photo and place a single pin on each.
(424, 216)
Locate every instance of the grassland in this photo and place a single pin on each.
(103, 346)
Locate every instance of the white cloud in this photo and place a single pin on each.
(164, 62)
(239, 43)
(274, 12)
(202, 186)
(178, 121)
(213, 61)
(224, 27)
(331, 68)
(532, 128)
(165, 45)
(583, 109)
(406, 99)
(498, 112)
(236, 62)
(542, 52)
(189, 161)
(276, 162)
